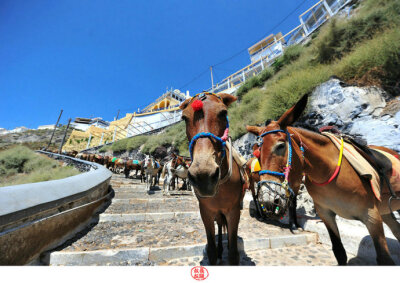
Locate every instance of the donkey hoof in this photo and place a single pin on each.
(294, 229)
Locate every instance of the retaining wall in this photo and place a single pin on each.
(40, 216)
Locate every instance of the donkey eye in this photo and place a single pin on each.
(222, 114)
(280, 148)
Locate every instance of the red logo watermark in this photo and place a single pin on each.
(199, 273)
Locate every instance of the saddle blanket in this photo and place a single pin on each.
(113, 160)
(358, 162)
(395, 176)
(157, 164)
(255, 166)
(135, 162)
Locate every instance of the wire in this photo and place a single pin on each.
(195, 78)
(244, 49)
(267, 33)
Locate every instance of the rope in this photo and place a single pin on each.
(337, 169)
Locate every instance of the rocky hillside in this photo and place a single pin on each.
(369, 113)
(34, 139)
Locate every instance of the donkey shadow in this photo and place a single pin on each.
(153, 190)
(366, 254)
(244, 259)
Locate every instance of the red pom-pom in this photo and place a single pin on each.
(256, 153)
(197, 105)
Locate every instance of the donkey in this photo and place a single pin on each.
(134, 165)
(151, 170)
(345, 193)
(215, 177)
(175, 168)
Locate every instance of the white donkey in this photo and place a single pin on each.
(169, 173)
(151, 168)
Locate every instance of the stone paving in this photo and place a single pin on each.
(147, 228)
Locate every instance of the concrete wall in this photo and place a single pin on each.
(40, 216)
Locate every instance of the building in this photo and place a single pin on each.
(170, 99)
(264, 53)
(85, 123)
(163, 112)
(46, 127)
(270, 46)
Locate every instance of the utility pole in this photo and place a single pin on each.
(55, 127)
(63, 139)
(212, 79)
(117, 115)
(89, 140)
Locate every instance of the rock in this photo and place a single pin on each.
(244, 145)
(305, 204)
(357, 111)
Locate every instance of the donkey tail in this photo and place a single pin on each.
(163, 171)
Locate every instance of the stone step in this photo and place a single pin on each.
(159, 205)
(311, 254)
(173, 255)
(162, 230)
(151, 194)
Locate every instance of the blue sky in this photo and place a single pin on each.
(91, 58)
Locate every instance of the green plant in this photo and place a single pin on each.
(290, 54)
(20, 165)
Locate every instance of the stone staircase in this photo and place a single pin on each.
(139, 228)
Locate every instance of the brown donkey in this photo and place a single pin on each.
(345, 194)
(216, 178)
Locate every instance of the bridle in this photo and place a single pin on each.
(288, 167)
(221, 140)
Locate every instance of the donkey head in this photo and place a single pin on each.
(273, 148)
(206, 114)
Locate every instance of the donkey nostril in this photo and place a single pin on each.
(216, 174)
(191, 177)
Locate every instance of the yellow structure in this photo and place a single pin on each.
(167, 100)
(265, 43)
(118, 129)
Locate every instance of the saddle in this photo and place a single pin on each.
(380, 164)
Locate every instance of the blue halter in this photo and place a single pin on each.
(209, 135)
(289, 161)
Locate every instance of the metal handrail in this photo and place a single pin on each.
(238, 75)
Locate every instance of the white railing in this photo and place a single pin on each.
(310, 20)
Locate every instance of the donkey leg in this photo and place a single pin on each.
(375, 228)
(208, 222)
(293, 225)
(220, 223)
(328, 217)
(393, 225)
(233, 224)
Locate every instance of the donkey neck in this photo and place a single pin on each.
(319, 153)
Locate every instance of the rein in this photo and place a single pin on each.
(337, 169)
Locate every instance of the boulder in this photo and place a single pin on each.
(357, 111)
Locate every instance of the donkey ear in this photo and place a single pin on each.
(254, 130)
(291, 115)
(227, 98)
(185, 103)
